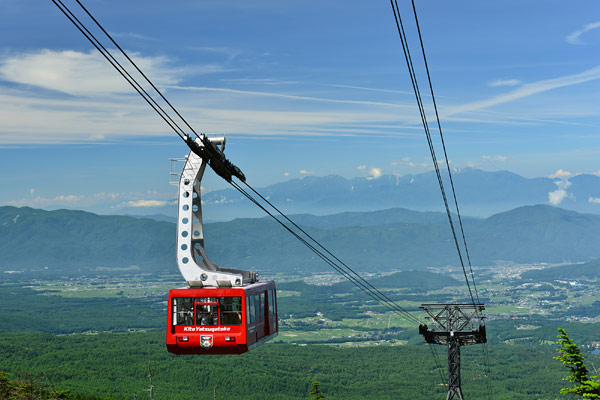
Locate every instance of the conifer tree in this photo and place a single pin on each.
(586, 386)
(315, 392)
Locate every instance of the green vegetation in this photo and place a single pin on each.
(23, 309)
(315, 393)
(115, 365)
(586, 386)
(39, 388)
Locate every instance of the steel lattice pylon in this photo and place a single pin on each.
(453, 325)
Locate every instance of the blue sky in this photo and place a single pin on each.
(299, 88)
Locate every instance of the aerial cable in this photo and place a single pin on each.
(437, 116)
(402, 34)
(108, 56)
(412, 74)
(357, 280)
(223, 163)
(136, 67)
(438, 363)
(352, 271)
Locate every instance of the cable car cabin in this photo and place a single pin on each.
(221, 320)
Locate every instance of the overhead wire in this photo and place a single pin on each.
(413, 78)
(437, 116)
(117, 65)
(325, 254)
(343, 269)
(335, 263)
(485, 346)
(350, 270)
(412, 74)
(136, 67)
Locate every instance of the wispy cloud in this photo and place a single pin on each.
(407, 161)
(228, 52)
(594, 200)
(289, 96)
(498, 158)
(106, 199)
(529, 89)
(306, 172)
(132, 35)
(68, 200)
(505, 82)
(143, 203)
(575, 37)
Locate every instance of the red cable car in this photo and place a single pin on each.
(224, 311)
(221, 320)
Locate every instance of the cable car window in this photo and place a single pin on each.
(252, 309)
(183, 311)
(207, 311)
(231, 310)
(271, 299)
(257, 303)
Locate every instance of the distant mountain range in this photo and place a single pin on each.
(68, 242)
(480, 193)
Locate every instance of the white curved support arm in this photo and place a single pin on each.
(195, 267)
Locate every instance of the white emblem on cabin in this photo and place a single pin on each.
(206, 341)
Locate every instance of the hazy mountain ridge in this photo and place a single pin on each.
(67, 240)
(587, 271)
(480, 193)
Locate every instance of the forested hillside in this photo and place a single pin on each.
(68, 242)
(117, 366)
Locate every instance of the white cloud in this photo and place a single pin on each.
(371, 172)
(38, 201)
(561, 174)
(144, 203)
(505, 82)
(574, 38)
(286, 174)
(594, 200)
(407, 161)
(106, 199)
(306, 172)
(80, 74)
(374, 173)
(556, 197)
(498, 158)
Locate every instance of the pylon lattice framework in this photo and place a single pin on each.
(453, 325)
